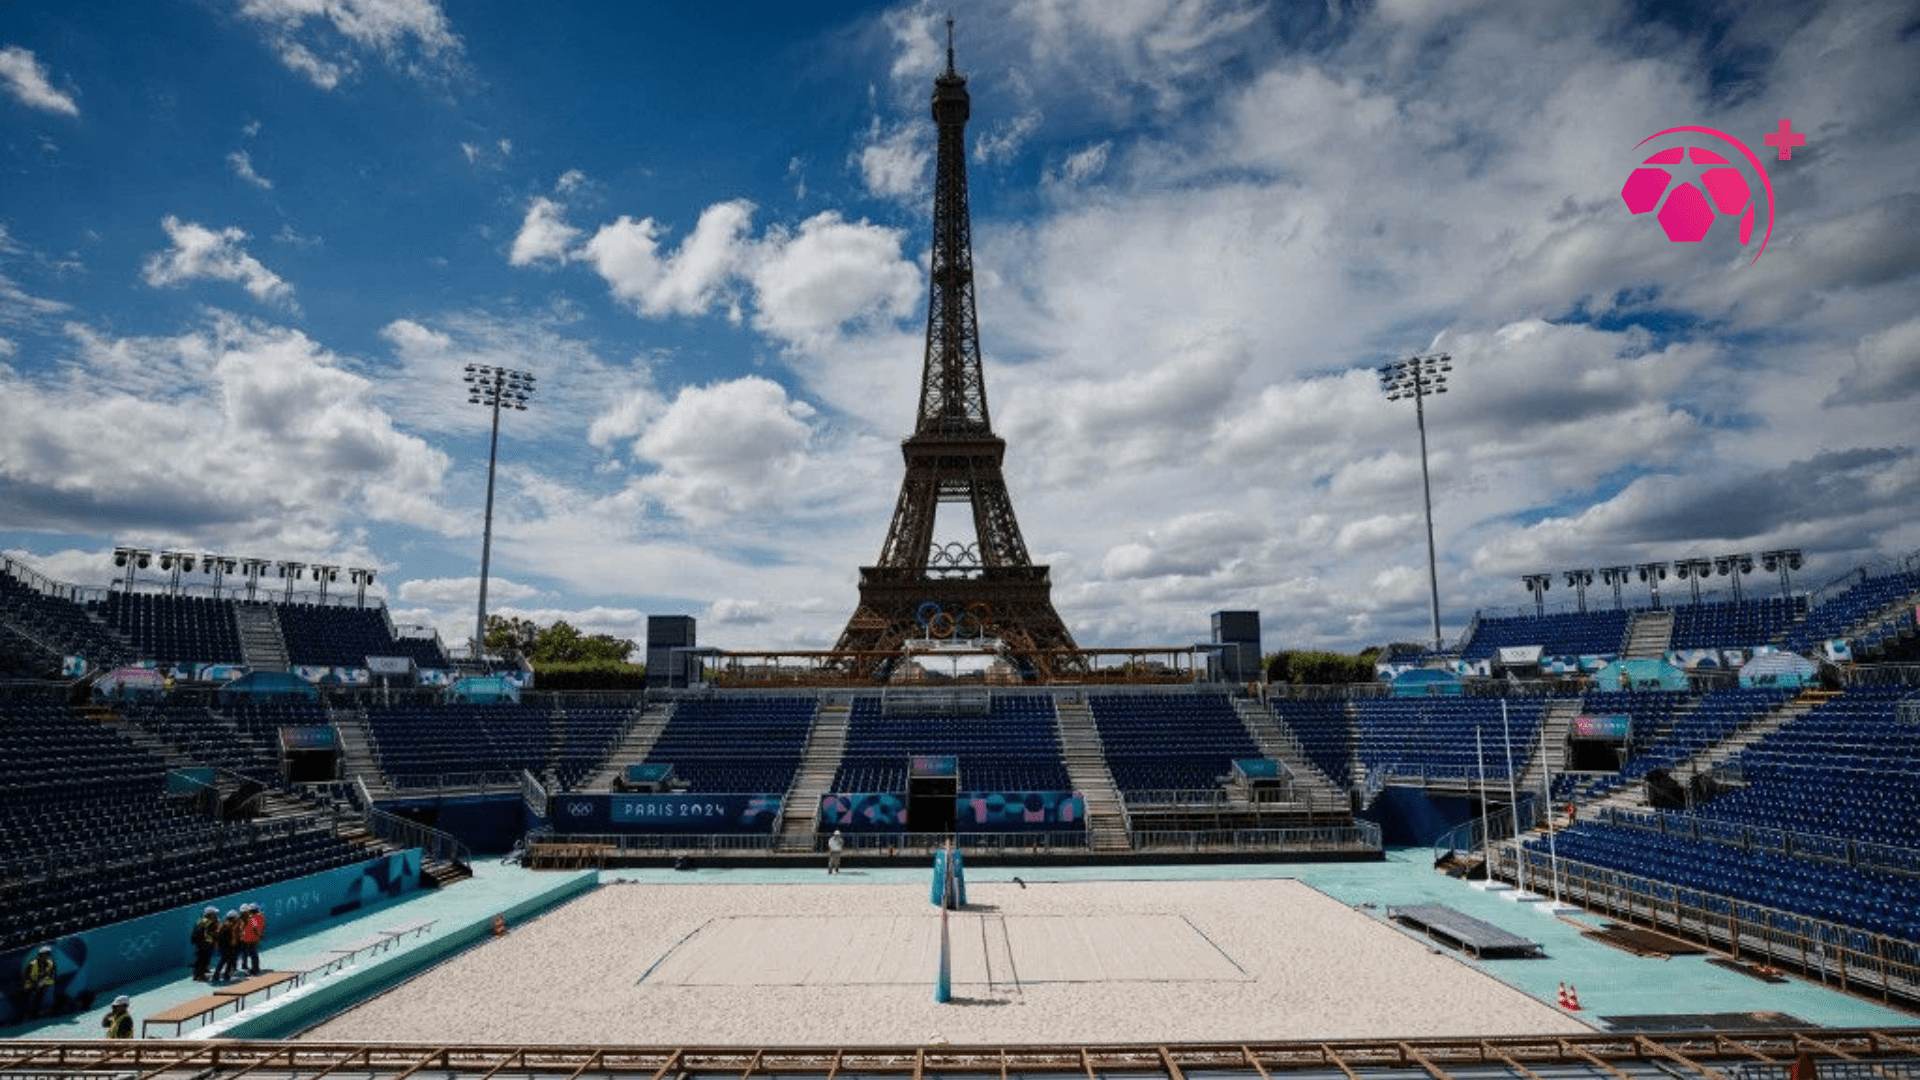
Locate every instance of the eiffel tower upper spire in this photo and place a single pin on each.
(989, 588)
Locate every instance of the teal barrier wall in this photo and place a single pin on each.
(95, 961)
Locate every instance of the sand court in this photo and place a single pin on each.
(988, 949)
(854, 964)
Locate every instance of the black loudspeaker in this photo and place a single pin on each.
(235, 808)
(1664, 792)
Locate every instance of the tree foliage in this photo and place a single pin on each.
(1320, 668)
(560, 643)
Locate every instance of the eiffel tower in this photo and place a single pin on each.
(919, 588)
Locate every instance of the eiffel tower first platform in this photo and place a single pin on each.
(920, 590)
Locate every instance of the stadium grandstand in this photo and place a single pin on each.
(1736, 775)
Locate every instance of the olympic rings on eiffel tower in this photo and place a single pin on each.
(968, 625)
(941, 625)
(925, 612)
(981, 610)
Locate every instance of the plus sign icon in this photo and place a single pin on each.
(1693, 187)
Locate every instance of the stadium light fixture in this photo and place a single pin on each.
(1782, 560)
(1653, 573)
(1691, 571)
(290, 571)
(1538, 584)
(175, 563)
(1580, 579)
(495, 388)
(1734, 566)
(134, 559)
(324, 575)
(219, 566)
(1416, 377)
(253, 568)
(1616, 576)
(361, 578)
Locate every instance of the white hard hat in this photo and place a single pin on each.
(211, 910)
(122, 1000)
(46, 950)
(233, 914)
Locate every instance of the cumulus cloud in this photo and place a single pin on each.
(627, 255)
(544, 235)
(811, 281)
(25, 77)
(444, 591)
(201, 253)
(235, 433)
(323, 41)
(895, 164)
(725, 448)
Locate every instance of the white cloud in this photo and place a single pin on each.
(543, 235)
(200, 253)
(447, 591)
(1005, 139)
(895, 165)
(321, 40)
(242, 164)
(724, 449)
(235, 434)
(810, 283)
(1083, 165)
(627, 255)
(25, 77)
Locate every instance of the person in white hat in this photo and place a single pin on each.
(118, 1021)
(202, 937)
(37, 981)
(835, 844)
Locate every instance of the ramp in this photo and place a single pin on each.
(1457, 930)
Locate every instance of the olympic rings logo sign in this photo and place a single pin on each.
(579, 809)
(139, 944)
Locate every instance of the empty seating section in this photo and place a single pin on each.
(1727, 625)
(1325, 731)
(88, 836)
(430, 746)
(175, 629)
(1434, 738)
(1875, 901)
(736, 744)
(332, 636)
(1168, 742)
(1014, 746)
(1564, 633)
(1848, 768)
(36, 630)
(588, 735)
(205, 737)
(1839, 614)
(1694, 728)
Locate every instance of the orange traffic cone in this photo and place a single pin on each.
(1573, 998)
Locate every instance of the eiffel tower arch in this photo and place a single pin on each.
(989, 588)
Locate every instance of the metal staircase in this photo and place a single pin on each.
(642, 732)
(1086, 759)
(1555, 723)
(1277, 742)
(1648, 634)
(358, 759)
(262, 645)
(826, 744)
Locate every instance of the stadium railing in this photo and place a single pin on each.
(1361, 836)
(1859, 962)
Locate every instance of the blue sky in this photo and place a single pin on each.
(246, 247)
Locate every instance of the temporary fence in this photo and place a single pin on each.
(1857, 962)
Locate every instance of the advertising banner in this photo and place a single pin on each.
(689, 813)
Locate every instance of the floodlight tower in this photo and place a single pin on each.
(1782, 560)
(1735, 565)
(1691, 571)
(1616, 576)
(1580, 579)
(1416, 377)
(1652, 573)
(1538, 584)
(496, 388)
